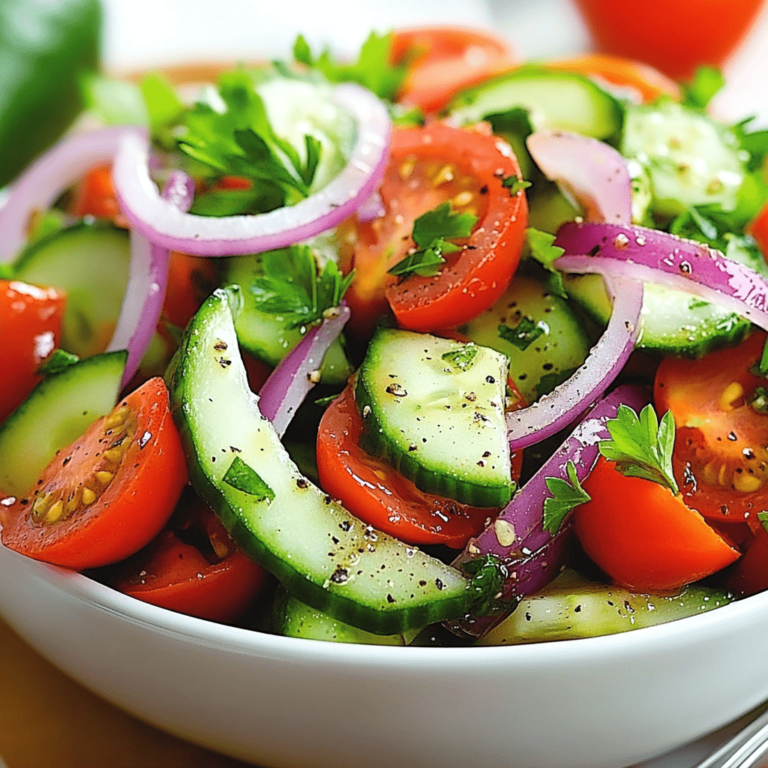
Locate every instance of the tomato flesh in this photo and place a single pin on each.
(427, 167)
(30, 328)
(109, 493)
(194, 567)
(643, 537)
(721, 446)
(376, 493)
(441, 61)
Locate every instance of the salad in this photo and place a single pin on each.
(506, 324)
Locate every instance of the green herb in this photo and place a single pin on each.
(759, 400)
(291, 285)
(523, 334)
(432, 233)
(164, 107)
(542, 248)
(514, 184)
(487, 576)
(763, 518)
(372, 68)
(705, 84)
(642, 446)
(57, 362)
(324, 402)
(566, 495)
(244, 478)
(462, 358)
(241, 142)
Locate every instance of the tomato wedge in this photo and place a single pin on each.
(642, 536)
(95, 195)
(30, 328)
(376, 493)
(648, 82)
(721, 448)
(750, 574)
(759, 230)
(427, 167)
(109, 493)
(441, 61)
(193, 567)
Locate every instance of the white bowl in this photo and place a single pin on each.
(287, 703)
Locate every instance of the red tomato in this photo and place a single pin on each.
(759, 230)
(441, 61)
(750, 575)
(30, 327)
(675, 37)
(190, 281)
(194, 567)
(648, 82)
(109, 493)
(642, 536)
(95, 196)
(376, 493)
(721, 448)
(429, 166)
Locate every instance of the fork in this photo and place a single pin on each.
(744, 750)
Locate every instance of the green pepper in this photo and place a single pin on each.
(46, 47)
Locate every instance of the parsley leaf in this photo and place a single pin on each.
(566, 495)
(523, 334)
(292, 285)
(372, 68)
(707, 81)
(642, 446)
(57, 362)
(244, 478)
(514, 184)
(432, 233)
(462, 358)
(240, 141)
(543, 248)
(763, 518)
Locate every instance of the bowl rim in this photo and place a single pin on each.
(252, 642)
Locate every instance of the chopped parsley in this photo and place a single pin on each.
(463, 358)
(246, 479)
(641, 446)
(57, 362)
(433, 232)
(514, 184)
(523, 334)
(705, 84)
(566, 496)
(291, 284)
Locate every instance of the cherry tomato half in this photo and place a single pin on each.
(193, 567)
(94, 195)
(30, 328)
(642, 536)
(376, 493)
(109, 493)
(675, 37)
(721, 445)
(759, 230)
(441, 61)
(427, 167)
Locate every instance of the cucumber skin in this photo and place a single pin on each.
(297, 583)
(427, 479)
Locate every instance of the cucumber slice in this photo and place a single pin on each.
(296, 619)
(562, 100)
(58, 410)
(571, 608)
(434, 409)
(692, 160)
(89, 262)
(539, 333)
(322, 554)
(264, 335)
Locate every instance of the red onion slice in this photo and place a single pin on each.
(147, 281)
(592, 173)
(287, 386)
(163, 224)
(528, 552)
(561, 407)
(41, 184)
(638, 253)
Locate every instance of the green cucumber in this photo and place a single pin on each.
(434, 409)
(57, 411)
(692, 160)
(557, 100)
(321, 553)
(542, 337)
(90, 263)
(264, 334)
(296, 619)
(571, 608)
